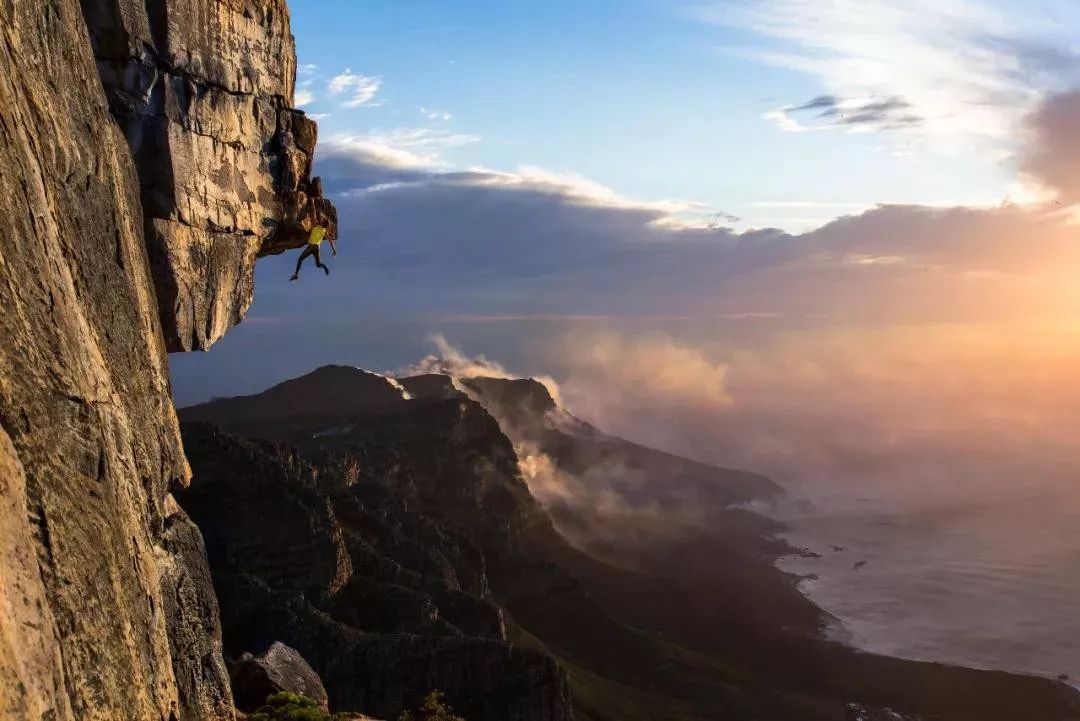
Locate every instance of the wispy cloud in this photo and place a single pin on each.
(955, 70)
(855, 114)
(383, 162)
(398, 148)
(361, 88)
(435, 114)
(307, 74)
(812, 204)
(582, 190)
(304, 97)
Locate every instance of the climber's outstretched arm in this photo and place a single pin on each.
(333, 248)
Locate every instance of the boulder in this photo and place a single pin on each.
(281, 668)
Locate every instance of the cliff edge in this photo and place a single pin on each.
(203, 92)
(140, 177)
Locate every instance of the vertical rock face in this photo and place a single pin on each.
(106, 608)
(90, 446)
(202, 90)
(194, 625)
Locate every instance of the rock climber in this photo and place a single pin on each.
(315, 239)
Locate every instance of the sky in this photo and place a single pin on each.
(697, 102)
(831, 241)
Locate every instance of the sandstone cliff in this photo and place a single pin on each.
(106, 611)
(202, 90)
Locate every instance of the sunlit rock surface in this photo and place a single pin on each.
(89, 442)
(203, 90)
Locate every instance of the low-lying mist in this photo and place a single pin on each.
(908, 416)
(916, 416)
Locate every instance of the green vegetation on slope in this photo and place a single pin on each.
(434, 708)
(288, 706)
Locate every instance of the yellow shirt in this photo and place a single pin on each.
(316, 236)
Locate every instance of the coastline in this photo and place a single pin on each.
(895, 604)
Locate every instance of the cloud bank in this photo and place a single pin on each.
(533, 242)
(920, 415)
(1053, 146)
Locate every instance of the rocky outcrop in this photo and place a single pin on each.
(194, 622)
(106, 609)
(281, 668)
(203, 92)
(382, 674)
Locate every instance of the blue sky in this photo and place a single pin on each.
(665, 100)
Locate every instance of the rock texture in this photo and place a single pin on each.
(194, 622)
(203, 92)
(382, 674)
(84, 394)
(106, 607)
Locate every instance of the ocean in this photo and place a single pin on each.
(992, 585)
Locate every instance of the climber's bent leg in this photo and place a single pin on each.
(318, 259)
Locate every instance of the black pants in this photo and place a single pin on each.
(310, 250)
